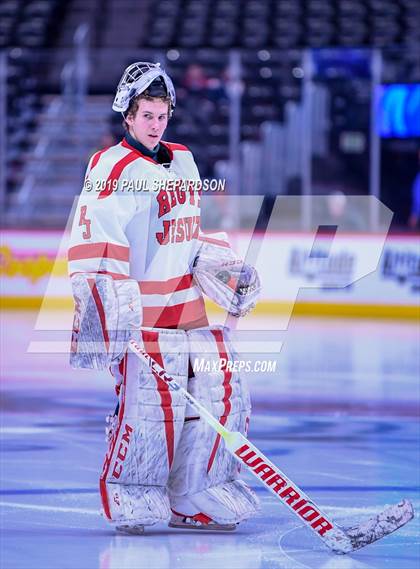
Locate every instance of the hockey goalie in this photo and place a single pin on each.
(139, 266)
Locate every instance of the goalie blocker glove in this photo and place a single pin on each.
(107, 314)
(225, 278)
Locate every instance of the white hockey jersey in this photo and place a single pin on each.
(139, 219)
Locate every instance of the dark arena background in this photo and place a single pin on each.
(304, 120)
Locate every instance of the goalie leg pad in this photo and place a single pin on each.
(132, 506)
(145, 438)
(204, 474)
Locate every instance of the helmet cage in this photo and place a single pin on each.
(136, 79)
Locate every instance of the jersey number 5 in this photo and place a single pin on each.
(83, 220)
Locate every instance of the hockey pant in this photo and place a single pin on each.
(161, 455)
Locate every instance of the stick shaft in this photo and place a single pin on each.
(174, 385)
(263, 469)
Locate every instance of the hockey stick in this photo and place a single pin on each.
(338, 539)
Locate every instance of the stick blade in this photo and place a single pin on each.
(388, 521)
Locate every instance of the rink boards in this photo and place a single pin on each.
(348, 274)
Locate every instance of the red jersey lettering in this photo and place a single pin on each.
(179, 230)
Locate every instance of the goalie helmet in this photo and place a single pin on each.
(140, 77)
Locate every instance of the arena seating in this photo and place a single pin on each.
(25, 27)
(29, 24)
(283, 23)
(193, 39)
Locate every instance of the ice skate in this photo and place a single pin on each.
(199, 521)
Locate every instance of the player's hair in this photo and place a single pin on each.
(135, 103)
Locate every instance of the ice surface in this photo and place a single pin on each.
(339, 417)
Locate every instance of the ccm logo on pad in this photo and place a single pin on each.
(122, 451)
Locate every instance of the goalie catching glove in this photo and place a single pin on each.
(226, 279)
(107, 313)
